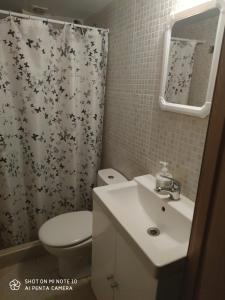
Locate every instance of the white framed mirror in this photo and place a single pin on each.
(192, 47)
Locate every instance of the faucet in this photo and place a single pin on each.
(173, 190)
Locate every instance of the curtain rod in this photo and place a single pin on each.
(19, 15)
(187, 40)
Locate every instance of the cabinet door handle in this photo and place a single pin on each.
(110, 277)
(114, 285)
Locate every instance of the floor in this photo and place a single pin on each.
(43, 272)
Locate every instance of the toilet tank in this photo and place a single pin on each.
(109, 176)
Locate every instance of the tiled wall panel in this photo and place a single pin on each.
(137, 134)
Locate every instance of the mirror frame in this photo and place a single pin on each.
(202, 111)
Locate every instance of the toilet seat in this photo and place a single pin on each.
(67, 230)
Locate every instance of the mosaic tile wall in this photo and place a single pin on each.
(137, 134)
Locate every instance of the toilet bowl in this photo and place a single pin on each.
(69, 236)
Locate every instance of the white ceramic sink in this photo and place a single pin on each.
(135, 206)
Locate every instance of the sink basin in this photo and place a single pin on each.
(136, 207)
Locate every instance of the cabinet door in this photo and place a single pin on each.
(103, 254)
(135, 281)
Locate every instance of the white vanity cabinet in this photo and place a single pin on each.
(103, 255)
(134, 280)
(120, 270)
(129, 261)
(117, 271)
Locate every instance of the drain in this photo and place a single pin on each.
(153, 231)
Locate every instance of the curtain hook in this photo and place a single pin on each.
(10, 14)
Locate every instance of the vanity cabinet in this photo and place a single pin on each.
(117, 271)
(103, 255)
(133, 278)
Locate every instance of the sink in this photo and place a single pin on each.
(136, 208)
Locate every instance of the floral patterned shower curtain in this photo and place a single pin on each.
(52, 85)
(180, 71)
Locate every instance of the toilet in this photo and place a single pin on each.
(69, 236)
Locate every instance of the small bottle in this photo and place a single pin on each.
(161, 181)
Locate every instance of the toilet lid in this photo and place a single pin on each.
(67, 229)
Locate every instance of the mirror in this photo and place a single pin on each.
(192, 49)
(190, 59)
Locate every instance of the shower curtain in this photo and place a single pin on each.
(180, 71)
(52, 85)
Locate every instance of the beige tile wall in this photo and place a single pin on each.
(137, 134)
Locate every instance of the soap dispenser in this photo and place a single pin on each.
(161, 181)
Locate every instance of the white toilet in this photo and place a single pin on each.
(69, 236)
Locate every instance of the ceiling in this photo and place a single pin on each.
(80, 9)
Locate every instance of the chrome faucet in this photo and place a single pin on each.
(173, 190)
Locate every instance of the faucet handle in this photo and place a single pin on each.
(175, 184)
